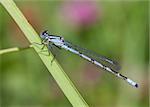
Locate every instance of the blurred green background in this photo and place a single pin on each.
(118, 30)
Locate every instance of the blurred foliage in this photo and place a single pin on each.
(119, 31)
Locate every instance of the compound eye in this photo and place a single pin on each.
(45, 32)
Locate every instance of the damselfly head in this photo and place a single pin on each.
(44, 34)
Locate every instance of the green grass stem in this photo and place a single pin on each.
(57, 72)
(14, 49)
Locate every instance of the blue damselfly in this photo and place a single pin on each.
(58, 41)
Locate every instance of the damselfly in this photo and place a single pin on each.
(58, 41)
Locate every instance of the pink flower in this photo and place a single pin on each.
(80, 12)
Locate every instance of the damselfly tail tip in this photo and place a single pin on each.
(136, 85)
(132, 83)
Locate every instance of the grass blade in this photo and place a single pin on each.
(57, 72)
